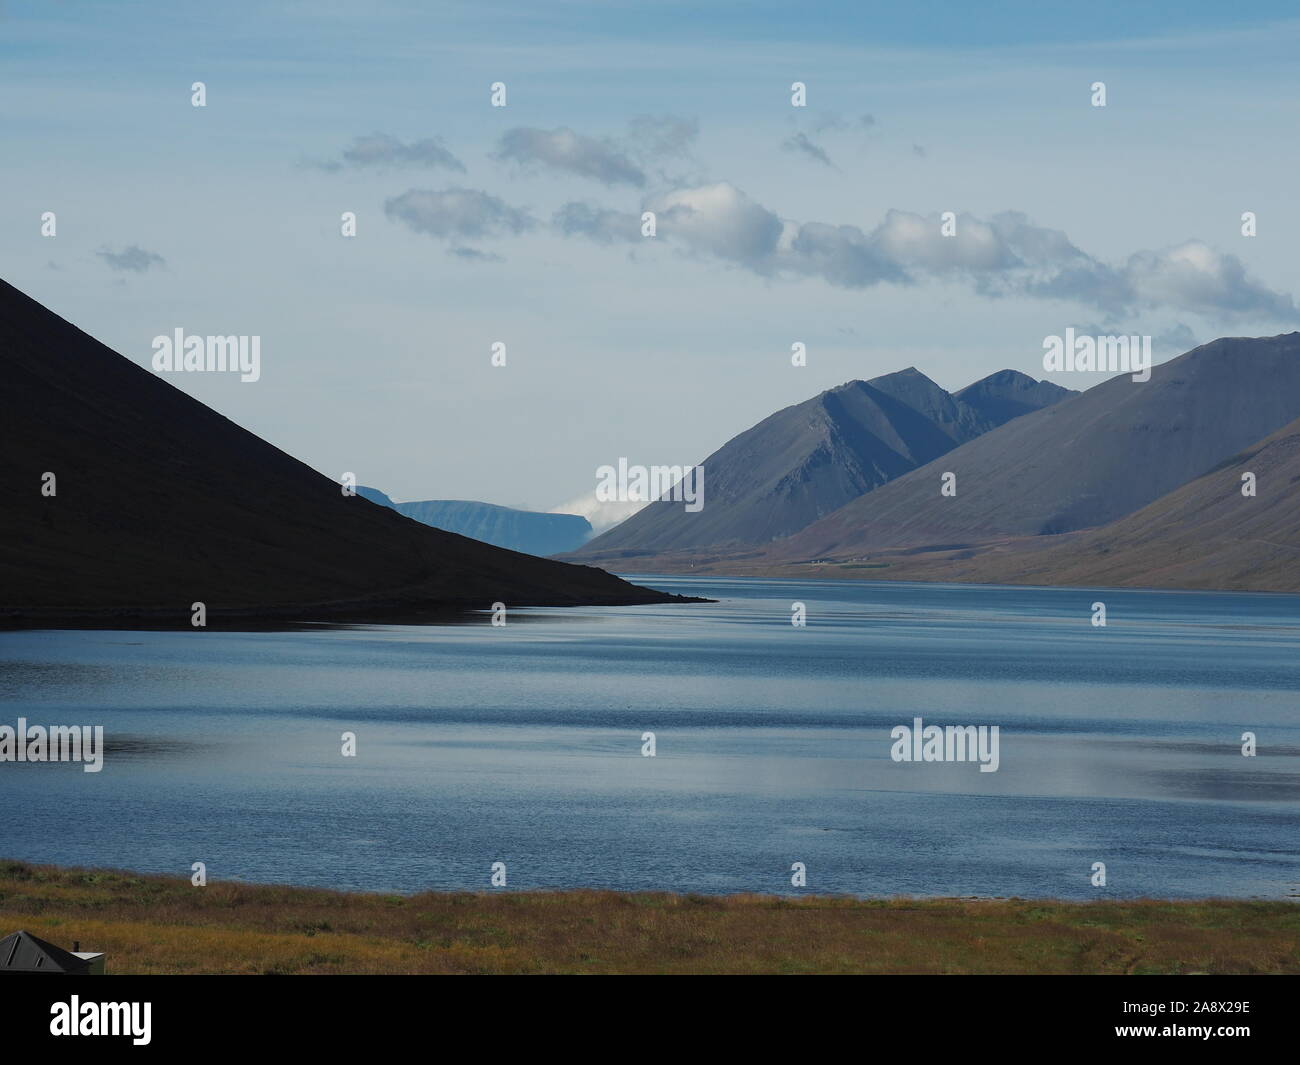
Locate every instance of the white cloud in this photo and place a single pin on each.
(563, 149)
(911, 241)
(719, 220)
(134, 259)
(377, 149)
(801, 143)
(457, 212)
(600, 224)
(1005, 255)
(1193, 276)
(602, 516)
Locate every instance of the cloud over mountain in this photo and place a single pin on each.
(1004, 255)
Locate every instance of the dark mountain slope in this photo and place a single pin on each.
(162, 502)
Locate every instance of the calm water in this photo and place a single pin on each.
(522, 744)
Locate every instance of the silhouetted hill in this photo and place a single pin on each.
(162, 502)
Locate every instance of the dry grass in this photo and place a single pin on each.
(153, 924)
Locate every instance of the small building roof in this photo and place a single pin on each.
(23, 952)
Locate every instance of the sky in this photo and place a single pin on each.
(521, 225)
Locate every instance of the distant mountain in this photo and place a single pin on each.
(1080, 463)
(159, 502)
(529, 531)
(808, 460)
(1008, 394)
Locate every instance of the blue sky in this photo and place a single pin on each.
(781, 224)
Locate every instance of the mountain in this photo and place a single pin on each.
(529, 531)
(1205, 534)
(918, 393)
(1008, 394)
(1080, 463)
(161, 502)
(806, 461)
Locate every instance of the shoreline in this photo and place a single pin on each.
(308, 617)
(151, 924)
(300, 617)
(847, 572)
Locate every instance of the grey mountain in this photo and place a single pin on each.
(1008, 394)
(1083, 462)
(806, 461)
(1206, 534)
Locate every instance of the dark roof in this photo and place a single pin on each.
(22, 952)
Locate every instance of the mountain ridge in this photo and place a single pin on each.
(1007, 394)
(803, 462)
(1204, 535)
(1082, 462)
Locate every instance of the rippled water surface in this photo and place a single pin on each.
(523, 745)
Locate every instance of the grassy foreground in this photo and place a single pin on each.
(154, 924)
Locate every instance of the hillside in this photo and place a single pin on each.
(161, 502)
(1081, 463)
(158, 925)
(1205, 534)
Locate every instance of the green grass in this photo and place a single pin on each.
(153, 924)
